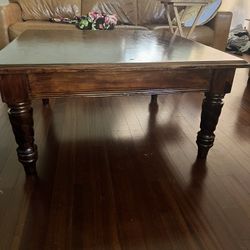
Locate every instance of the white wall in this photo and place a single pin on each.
(240, 9)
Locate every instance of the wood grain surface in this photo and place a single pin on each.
(60, 63)
(118, 173)
(108, 49)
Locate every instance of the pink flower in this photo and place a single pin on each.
(110, 19)
(95, 15)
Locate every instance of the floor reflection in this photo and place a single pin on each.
(116, 182)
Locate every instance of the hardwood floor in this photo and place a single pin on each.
(117, 173)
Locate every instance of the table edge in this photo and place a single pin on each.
(5, 69)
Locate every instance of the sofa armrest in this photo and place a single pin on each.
(9, 14)
(221, 25)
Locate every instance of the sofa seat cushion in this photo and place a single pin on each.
(202, 34)
(131, 27)
(43, 10)
(18, 28)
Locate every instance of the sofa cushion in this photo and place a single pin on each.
(151, 12)
(43, 10)
(18, 28)
(202, 34)
(131, 27)
(125, 10)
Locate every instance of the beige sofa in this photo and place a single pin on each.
(20, 15)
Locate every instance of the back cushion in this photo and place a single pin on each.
(125, 10)
(151, 12)
(44, 9)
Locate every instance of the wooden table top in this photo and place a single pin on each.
(43, 50)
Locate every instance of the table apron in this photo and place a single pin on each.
(104, 82)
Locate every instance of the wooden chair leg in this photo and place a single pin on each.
(45, 101)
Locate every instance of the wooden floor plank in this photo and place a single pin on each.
(121, 173)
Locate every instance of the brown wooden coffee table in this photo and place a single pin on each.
(42, 64)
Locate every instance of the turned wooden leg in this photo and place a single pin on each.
(154, 98)
(21, 118)
(211, 109)
(45, 101)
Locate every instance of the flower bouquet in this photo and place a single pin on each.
(91, 21)
(97, 21)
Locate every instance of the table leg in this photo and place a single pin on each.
(211, 109)
(21, 118)
(154, 98)
(45, 101)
